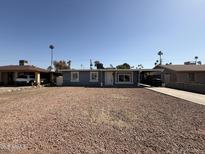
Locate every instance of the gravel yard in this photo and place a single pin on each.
(99, 120)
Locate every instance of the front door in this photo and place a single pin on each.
(108, 78)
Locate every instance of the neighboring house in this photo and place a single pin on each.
(9, 73)
(185, 77)
(102, 77)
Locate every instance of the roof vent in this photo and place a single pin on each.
(23, 62)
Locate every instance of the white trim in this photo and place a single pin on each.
(117, 78)
(71, 77)
(91, 77)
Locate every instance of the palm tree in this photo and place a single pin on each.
(51, 47)
(96, 63)
(156, 62)
(199, 63)
(160, 53)
(196, 58)
(111, 66)
(91, 64)
(140, 66)
(69, 64)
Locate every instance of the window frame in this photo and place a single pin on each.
(91, 80)
(126, 82)
(71, 78)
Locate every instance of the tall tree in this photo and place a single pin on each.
(123, 66)
(199, 63)
(156, 62)
(91, 64)
(196, 58)
(140, 66)
(98, 64)
(160, 53)
(69, 64)
(62, 64)
(51, 47)
(111, 66)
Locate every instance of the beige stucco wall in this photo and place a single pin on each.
(200, 77)
(184, 77)
(172, 75)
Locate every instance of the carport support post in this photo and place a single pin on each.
(37, 78)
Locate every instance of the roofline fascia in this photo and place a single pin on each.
(79, 70)
(114, 70)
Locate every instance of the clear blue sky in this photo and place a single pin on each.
(112, 31)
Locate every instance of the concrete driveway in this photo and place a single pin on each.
(189, 96)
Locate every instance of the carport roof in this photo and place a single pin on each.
(183, 68)
(25, 68)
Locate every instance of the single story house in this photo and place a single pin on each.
(102, 77)
(184, 77)
(9, 73)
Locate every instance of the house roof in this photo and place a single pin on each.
(183, 68)
(79, 70)
(111, 70)
(25, 68)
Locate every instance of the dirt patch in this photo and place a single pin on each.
(98, 120)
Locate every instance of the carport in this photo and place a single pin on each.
(148, 74)
(9, 73)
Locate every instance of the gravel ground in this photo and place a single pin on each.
(99, 120)
(11, 89)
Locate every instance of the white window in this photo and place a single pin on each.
(124, 78)
(93, 76)
(74, 76)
